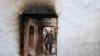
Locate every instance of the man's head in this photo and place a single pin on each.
(51, 31)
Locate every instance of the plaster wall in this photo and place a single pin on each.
(9, 30)
(79, 28)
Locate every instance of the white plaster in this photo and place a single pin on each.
(9, 28)
(79, 28)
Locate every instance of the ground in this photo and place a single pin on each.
(47, 54)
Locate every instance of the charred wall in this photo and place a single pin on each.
(9, 20)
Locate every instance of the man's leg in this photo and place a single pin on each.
(46, 46)
(50, 48)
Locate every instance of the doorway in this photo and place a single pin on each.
(34, 31)
(47, 29)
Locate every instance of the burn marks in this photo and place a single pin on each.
(40, 11)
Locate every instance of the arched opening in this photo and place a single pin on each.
(31, 36)
(31, 41)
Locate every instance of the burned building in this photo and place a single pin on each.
(77, 26)
(36, 18)
(30, 18)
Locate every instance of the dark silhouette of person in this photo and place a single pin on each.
(49, 39)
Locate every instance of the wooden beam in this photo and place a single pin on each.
(26, 37)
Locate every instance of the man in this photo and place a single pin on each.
(49, 39)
